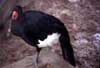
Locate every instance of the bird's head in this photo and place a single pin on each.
(16, 13)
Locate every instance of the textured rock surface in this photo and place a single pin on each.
(47, 59)
(81, 17)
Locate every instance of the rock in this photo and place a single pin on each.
(27, 62)
(97, 36)
(96, 41)
(73, 1)
(47, 59)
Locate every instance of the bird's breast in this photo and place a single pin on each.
(16, 29)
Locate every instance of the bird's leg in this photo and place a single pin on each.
(38, 52)
(36, 63)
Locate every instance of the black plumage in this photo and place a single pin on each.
(32, 26)
(1, 26)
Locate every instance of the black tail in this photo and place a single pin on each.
(67, 49)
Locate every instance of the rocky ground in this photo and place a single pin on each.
(81, 18)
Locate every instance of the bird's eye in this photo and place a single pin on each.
(14, 15)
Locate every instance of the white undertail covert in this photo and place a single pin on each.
(49, 41)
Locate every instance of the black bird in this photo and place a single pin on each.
(33, 26)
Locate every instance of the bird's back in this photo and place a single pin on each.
(42, 23)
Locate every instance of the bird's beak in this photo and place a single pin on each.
(9, 29)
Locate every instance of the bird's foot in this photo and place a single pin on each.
(36, 65)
